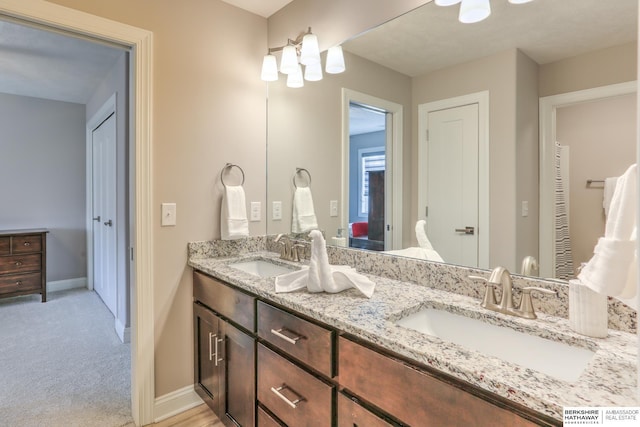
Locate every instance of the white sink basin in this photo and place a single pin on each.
(262, 268)
(559, 360)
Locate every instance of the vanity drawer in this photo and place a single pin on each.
(26, 244)
(232, 303)
(5, 245)
(20, 282)
(351, 414)
(305, 341)
(266, 420)
(20, 263)
(295, 396)
(412, 395)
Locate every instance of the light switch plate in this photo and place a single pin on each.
(168, 212)
(333, 208)
(276, 211)
(255, 211)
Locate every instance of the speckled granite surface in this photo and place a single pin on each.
(405, 286)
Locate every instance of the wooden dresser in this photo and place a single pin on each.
(23, 262)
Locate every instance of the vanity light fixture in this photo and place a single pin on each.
(303, 51)
(472, 11)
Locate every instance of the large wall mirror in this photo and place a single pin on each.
(374, 144)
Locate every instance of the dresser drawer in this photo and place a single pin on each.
(305, 341)
(20, 263)
(26, 244)
(20, 282)
(351, 414)
(5, 245)
(292, 394)
(414, 396)
(234, 304)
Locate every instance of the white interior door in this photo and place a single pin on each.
(104, 211)
(452, 183)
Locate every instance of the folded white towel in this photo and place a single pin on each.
(419, 253)
(320, 276)
(304, 216)
(611, 271)
(609, 189)
(421, 235)
(233, 216)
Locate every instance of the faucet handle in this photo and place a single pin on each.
(526, 304)
(489, 298)
(295, 251)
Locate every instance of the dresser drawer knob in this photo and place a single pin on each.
(19, 283)
(27, 243)
(18, 263)
(291, 403)
(292, 340)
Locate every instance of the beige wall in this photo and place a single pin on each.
(601, 136)
(208, 109)
(305, 130)
(603, 67)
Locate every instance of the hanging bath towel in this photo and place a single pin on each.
(233, 217)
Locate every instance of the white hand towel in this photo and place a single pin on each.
(304, 216)
(320, 276)
(611, 270)
(233, 216)
(609, 189)
(421, 235)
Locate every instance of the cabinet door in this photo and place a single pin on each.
(350, 414)
(239, 354)
(209, 374)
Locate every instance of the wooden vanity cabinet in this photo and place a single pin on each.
(417, 398)
(224, 357)
(352, 414)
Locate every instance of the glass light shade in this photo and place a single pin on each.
(269, 69)
(335, 60)
(472, 11)
(289, 60)
(313, 72)
(295, 79)
(447, 2)
(519, 1)
(310, 51)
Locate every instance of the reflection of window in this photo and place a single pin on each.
(369, 160)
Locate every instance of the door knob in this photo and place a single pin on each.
(109, 223)
(466, 230)
(97, 218)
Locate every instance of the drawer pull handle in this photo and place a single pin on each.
(18, 263)
(291, 403)
(279, 334)
(27, 243)
(19, 283)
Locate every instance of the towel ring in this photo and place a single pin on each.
(298, 171)
(229, 166)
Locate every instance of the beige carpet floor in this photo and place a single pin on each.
(61, 363)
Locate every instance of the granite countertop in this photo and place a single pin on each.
(609, 379)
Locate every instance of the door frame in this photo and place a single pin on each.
(548, 106)
(482, 99)
(140, 43)
(393, 153)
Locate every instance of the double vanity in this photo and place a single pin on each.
(421, 351)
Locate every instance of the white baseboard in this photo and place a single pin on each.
(63, 285)
(124, 332)
(175, 402)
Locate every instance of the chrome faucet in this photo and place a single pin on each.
(501, 278)
(288, 250)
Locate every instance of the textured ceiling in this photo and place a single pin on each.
(42, 64)
(431, 38)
